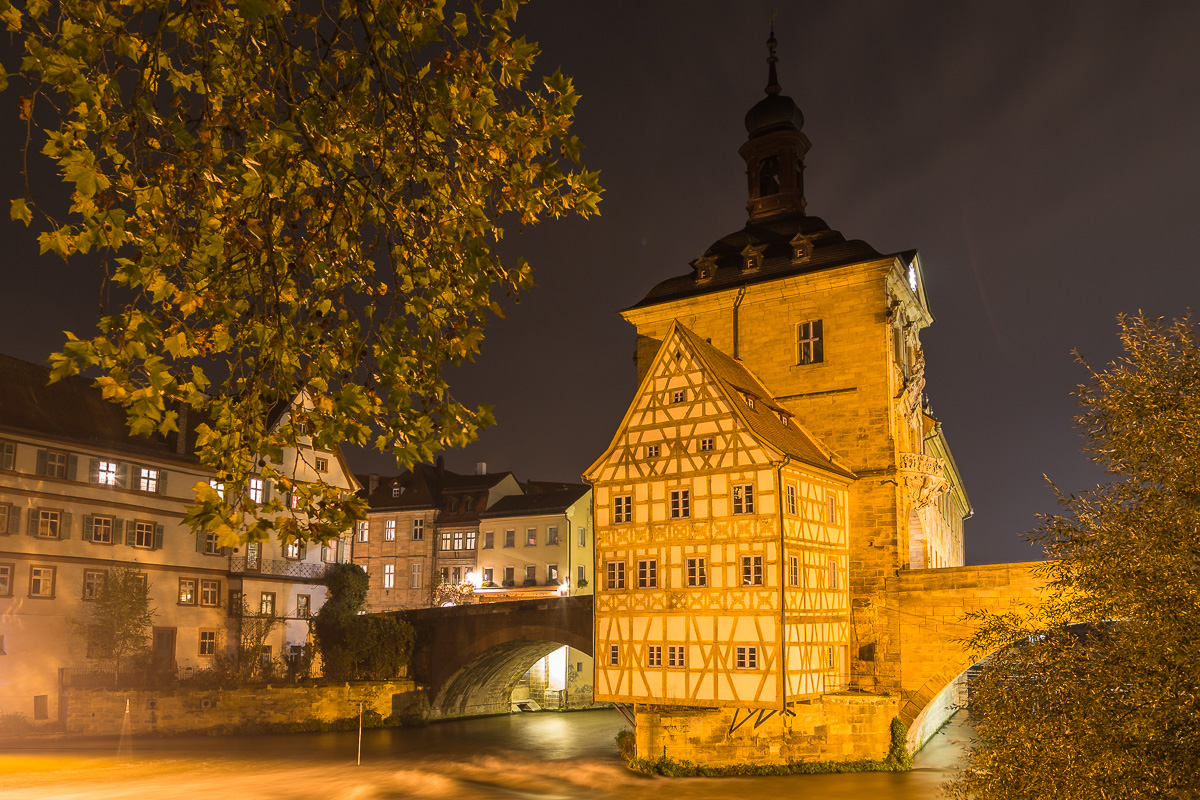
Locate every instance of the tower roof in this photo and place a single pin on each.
(775, 112)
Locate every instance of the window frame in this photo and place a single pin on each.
(210, 593)
(187, 595)
(647, 573)
(53, 581)
(810, 342)
(676, 656)
(793, 571)
(752, 569)
(653, 451)
(654, 655)
(707, 444)
(53, 464)
(9, 570)
(142, 526)
(208, 636)
(107, 477)
(681, 504)
(256, 490)
(389, 530)
(531, 537)
(622, 509)
(389, 576)
(112, 524)
(743, 498)
(415, 576)
(264, 605)
(791, 504)
(746, 657)
(304, 606)
(510, 538)
(44, 522)
(614, 655)
(418, 529)
(614, 575)
(88, 575)
(149, 477)
(697, 572)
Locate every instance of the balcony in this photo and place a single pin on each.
(924, 477)
(299, 570)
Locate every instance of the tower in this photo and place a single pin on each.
(787, 365)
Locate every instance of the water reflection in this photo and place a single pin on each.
(542, 756)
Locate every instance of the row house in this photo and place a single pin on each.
(80, 496)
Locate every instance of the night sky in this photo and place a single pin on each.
(1043, 157)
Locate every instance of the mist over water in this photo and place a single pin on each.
(543, 756)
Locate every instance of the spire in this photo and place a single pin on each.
(772, 78)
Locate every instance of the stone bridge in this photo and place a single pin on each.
(471, 657)
(931, 606)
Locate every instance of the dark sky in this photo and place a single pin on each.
(1043, 157)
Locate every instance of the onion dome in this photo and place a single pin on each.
(775, 112)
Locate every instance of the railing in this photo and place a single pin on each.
(304, 570)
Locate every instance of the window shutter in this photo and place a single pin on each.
(200, 541)
(31, 528)
(341, 551)
(135, 476)
(123, 475)
(226, 550)
(87, 526)
(14, 519)
(130, 532)
(94, 470)
(266, 490)
(162, 481)
(118, 528)
(72, 466)
(64, 526)
(819, 344)
(41, 462)
(158, 537)
(8, 455)
(303, 550)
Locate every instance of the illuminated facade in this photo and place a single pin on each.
(778, 464)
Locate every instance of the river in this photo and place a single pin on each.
(541, 756)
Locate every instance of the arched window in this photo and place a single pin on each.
(768, 176)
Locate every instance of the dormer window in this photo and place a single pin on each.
(801, 247)
(783, 420)
(749, 401)
(396, 490)
(752, 257)
(705, 268)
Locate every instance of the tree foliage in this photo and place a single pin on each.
(1099, 697)
(117, 624)
(354, 646)
(286, 196)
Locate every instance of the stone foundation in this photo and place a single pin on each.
(100, 712)
(834, 727)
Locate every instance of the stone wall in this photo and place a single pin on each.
(100, 712)
(835, 727)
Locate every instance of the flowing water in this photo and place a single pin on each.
(546, 756)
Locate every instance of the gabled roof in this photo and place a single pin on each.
(73, 410)
(538, 501)
(426, 486)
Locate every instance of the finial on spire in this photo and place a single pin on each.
(772, 78)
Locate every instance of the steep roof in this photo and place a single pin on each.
(538, 501)
(424, 487)
(767, 423)
(73, 410)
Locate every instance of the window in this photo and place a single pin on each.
(41, 581)
(257, 490)
(615, 570)
(102, 530)
(614, 655)
(5, 512)
(395, 491)
(746, 657)
(706, 444)
(148, 479)
(652, 451)
(809, 347)
(790, 498)
(389, 530)
(303, 606)
(210, 593)
(681, 506)
(743, 499)
(364, 528)
(48, 523)
(293, 550)
(446, 541)
(418, 530)
(389, 576)
(697, 572)
(648, 574)
(41, 706)
(678, 396)
(469, 504)
(266, 604)
(252, 551)
(56, 464)
(582, 579)
(752, 571)
(530, 537)
(749, 401)
(783, 420)
(583, 537)
(208, 643)
(143, 534)
(187, 591)
(329, 553)
(623, 508)
(6, 580)
(831, 579)
(211, 546)
(794, 571)
(93, 582)
(322, 464)
(470, 540)
(510, 538)
(552, 536)
(8, 458)
(552, 573)
(488, 572)
(106, 473)
(675, 655)
(531, 574)
(414, 576)
(654, 655)
(266, 656)
(445, 574)
(509, 572)
(488, 540)
(458, 540)
(218, 487)
(831, 509)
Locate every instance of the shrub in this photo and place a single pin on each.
(627, 745)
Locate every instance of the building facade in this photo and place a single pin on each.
(79, 497)
(786, 323)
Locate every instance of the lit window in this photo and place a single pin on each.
(681, 507)
(743, 499)
(102, 530)
(654, 655)
(266, 604)
(675, 656)
(210, 593)
(389, 530)
(531, 574)
(106, 473)
(93, 582)
(418, 530)
(187, 591)
(746, 657)
(706, 444)
(552, 573)
(791, 499)
(446, 540)
(256, 489)
(752, 570)
(697, 572)
(809, 347)
(148, 479)
(622, 509)
(303, 606)
(470, 540)
(218, 487)
(41, 582)
(648, 574)
(48, 523)
(208, 643)
(614, 655)
(488, 572)
(615, 571)
(458, 540)
(652, 451)
(363, 530)
(389, 576)
(750, 401)
(294, 550)
(396, 491)
(530, 537)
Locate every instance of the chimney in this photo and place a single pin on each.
(372, 483)
(481, 468)
(441, 465)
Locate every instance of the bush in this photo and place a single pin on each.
(355, 647)
(627, 745)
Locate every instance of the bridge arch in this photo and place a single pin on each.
(471, 657)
